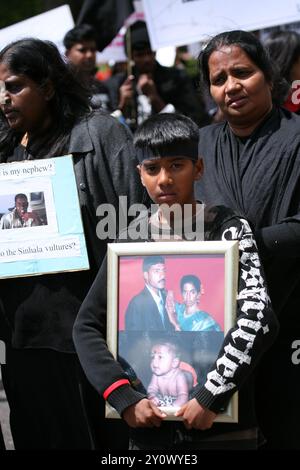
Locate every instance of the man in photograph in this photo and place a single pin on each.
(20, 217)
(146, 310)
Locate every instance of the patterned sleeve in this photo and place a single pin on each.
(255, 329)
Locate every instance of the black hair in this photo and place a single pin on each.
(167, 134)
(82, 32)
(191, 279)
(42, 63)
(252, 46)
(149, 261)
(284, 50)
(21, 196)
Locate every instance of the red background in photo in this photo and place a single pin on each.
(210, 270)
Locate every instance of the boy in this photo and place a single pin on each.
(167, 149)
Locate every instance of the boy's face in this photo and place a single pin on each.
(162, 359)
(170, 180)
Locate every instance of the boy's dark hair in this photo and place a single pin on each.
(166, 134)
(83, 32)
(151, 261)
(252, 46)
(191, 279)
(20, 196)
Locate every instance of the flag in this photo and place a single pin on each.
(106, 16)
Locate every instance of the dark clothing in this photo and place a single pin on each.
(105, 168)
(142, 314)
(259, 176)
(41, 310)
(173, 85)
(249, 339)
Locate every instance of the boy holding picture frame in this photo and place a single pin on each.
(167, 149)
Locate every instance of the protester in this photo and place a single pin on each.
(81, 48)
(48, 114)
(252, 164)
(167, 149)
(152, 88)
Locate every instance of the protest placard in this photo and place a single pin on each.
(40, 219)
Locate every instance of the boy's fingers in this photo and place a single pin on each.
(181, 411)
(157, 411)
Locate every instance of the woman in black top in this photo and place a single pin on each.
(252, 163)
(46, 114)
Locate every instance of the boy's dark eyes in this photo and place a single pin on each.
(152, 169)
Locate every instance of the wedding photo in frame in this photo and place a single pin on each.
(169, 309)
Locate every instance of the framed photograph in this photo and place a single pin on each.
(169, 308)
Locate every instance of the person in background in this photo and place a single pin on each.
(81, 48)
(284, 50)
(252, 164)
(48, 114)
(152, 88)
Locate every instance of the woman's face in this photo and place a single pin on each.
(24, 104)
(238, 86)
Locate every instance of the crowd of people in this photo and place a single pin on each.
(149, 136)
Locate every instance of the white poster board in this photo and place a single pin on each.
(180, 22)
(51, 26)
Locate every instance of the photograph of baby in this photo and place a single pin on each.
(166, 367)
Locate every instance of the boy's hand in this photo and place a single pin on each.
(126, 93)
(143, 414)
(195, 416)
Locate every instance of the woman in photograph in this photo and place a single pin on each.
(252, 164)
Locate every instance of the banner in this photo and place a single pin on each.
(180, 22)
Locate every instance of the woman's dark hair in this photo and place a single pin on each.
(42, 63)
(284, 50)
(190, 279)
(252, 46)
(82, 32)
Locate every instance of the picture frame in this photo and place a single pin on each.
(167, 347)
